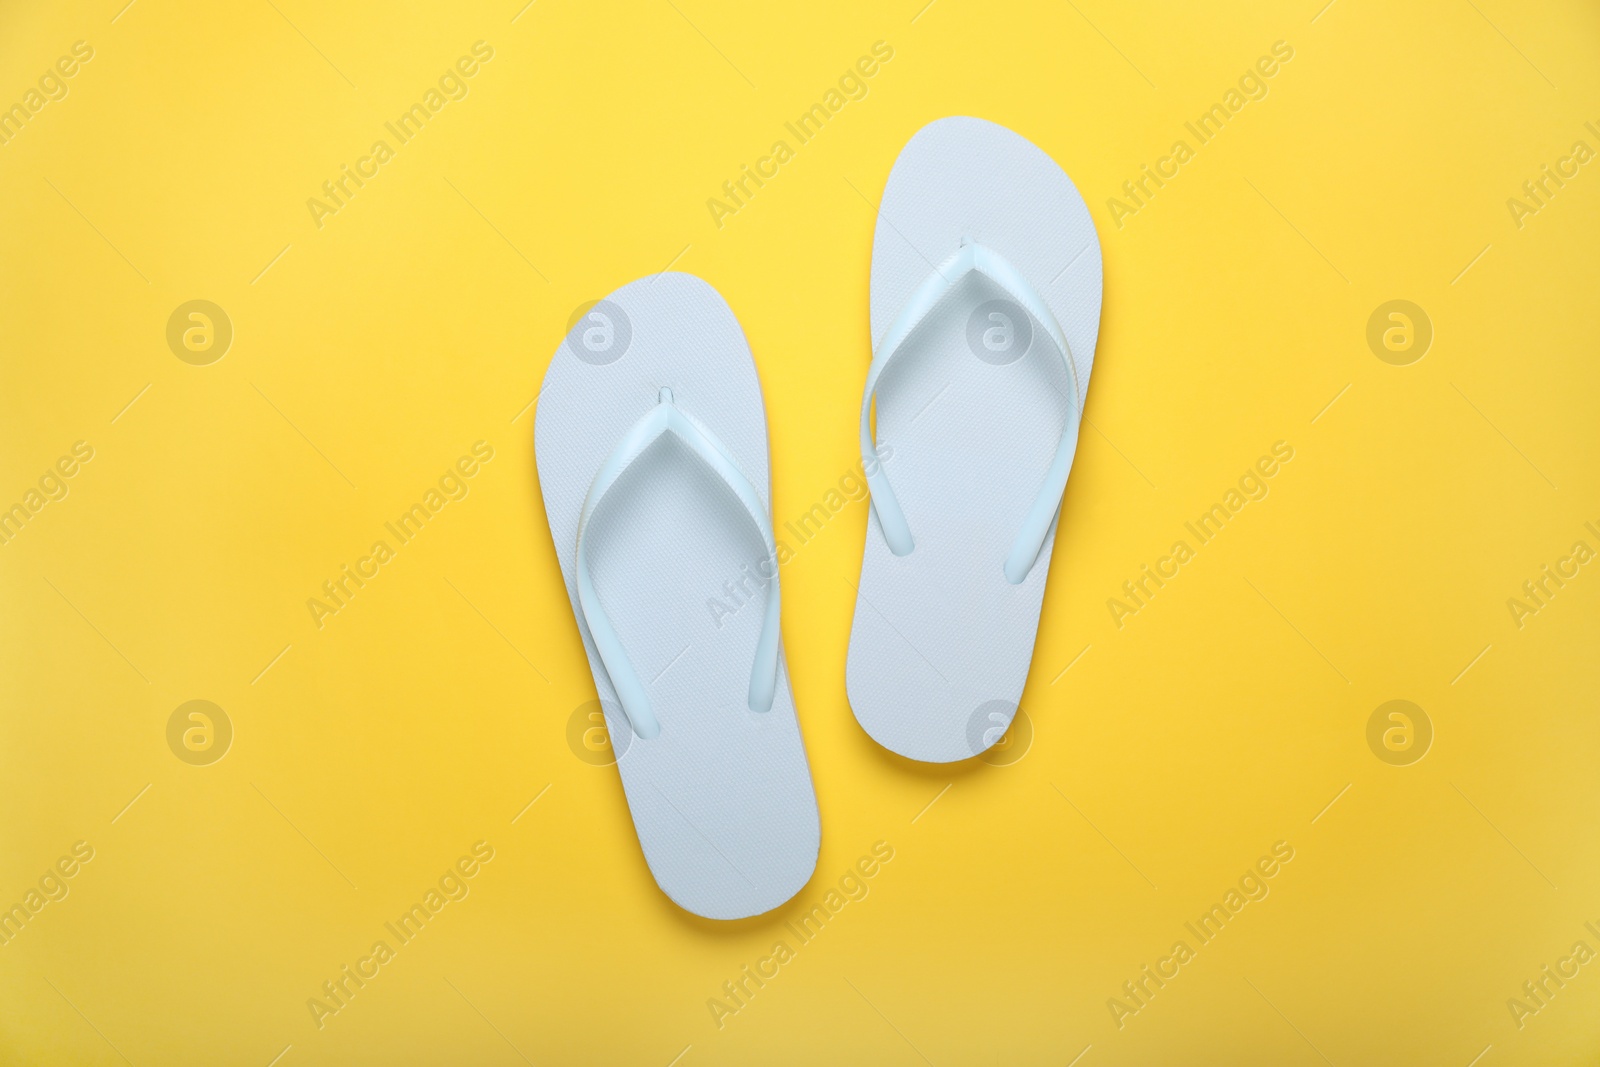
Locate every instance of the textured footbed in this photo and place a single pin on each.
(722, 799)
(941, 642)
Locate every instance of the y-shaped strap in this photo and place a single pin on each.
(664, 418)
(971, 257)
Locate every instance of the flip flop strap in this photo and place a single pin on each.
(972, 256)
(664, 418)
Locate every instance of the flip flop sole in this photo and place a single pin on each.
(972, 413)
(722, 799)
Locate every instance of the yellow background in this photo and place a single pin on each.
(426, 715)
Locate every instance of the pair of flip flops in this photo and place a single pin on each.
(651, 445)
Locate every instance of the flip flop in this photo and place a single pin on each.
(985, 298)
(651, 446)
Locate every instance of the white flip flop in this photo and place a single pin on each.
(651, 445)
(986, 284)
